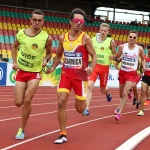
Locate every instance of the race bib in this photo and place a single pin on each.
(73, 60)
(128, 63)
(147, 66)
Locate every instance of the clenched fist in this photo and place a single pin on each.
(89, 70)
(15, 66)
(49, 70)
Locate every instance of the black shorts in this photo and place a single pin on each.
(146, 79)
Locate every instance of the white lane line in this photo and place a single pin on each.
(6, 100)
(56, 94)
(54, 112)
(53, 103)
(135, 140)
(37, 98)
(31, 139)
(35, 104)
(34, 95)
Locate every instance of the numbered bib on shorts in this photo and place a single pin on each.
(73, 60)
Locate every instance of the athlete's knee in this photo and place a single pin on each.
(81, 108)
(80, 105)
(18, 103)
(103, 90)
(61, 103)
(124, 93)
(89, 86)
(143, 93)
(27, 102)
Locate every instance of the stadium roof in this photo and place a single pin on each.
(140, 5)
(88, 5)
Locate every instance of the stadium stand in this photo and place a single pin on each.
(12, 20)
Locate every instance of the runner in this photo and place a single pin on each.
(104, 46)
(76, 46)
(138, 78)
(29, 64)
(130, 54)
(148, 91)
(145, 82)
(118, 66)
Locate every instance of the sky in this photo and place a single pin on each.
(125, 17)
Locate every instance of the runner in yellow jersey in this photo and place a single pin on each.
(104, 47)
(76, 46)
(29, 64)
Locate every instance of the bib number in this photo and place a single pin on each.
(73, 60)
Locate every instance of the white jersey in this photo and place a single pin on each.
(129, 58)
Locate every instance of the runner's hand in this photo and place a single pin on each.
(89, 70)
(44, 62)
(49, 70)
(15, 66)
(144, 69)
(111, 57)
(140, 75)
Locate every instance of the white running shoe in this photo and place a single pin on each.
(61, 139)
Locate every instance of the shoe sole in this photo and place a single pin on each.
(19, 138)
(60, 143)
(83, 114)
(117, 119)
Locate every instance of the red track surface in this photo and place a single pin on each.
(99, 131)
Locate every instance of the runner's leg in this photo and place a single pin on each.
(31, 88)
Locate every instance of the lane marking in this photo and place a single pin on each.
(135, 140)
(35, 104)
(52, 103)
(53, 112)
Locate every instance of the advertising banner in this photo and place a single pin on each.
(3, 73)
(7, 77)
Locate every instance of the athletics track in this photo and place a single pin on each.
(99, 131)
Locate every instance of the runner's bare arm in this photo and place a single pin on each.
(141, 54)
(48, 48)
(59, 54)
(117, 55)
(14, 54)
(113, 47)
(87, 42)
(48, 52)
(141, 69)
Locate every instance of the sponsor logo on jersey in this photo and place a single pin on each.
(71, 44)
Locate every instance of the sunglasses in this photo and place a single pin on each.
(77, 20)
(39, 20)
(132, 37)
